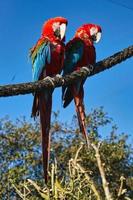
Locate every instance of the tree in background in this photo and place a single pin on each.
(74, 168)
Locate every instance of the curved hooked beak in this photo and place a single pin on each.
(62, 31)
(98, 37)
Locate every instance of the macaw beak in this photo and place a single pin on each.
(62, 31)
(98, 37)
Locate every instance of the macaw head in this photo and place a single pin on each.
(90, 32)
(55, 28)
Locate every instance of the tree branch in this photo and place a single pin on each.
(77, 166)
(26, 88)
(102, 172)
(121, 191)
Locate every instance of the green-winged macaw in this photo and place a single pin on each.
(80, 51)
(47, 61)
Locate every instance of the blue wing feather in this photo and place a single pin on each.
(74, 53)
(41, 58)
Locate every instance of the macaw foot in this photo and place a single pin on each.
(60, 77)
(49, 79)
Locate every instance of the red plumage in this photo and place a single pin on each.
(82, 52)
(47, 60)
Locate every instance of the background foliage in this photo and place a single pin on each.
(21, 167)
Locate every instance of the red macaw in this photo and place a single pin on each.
(80, 51)
(47, 61)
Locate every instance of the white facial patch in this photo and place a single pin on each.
(93, 31)
(55, 26)
(62, 30)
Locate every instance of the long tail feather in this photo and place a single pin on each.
(42, 104)
(45, 118)
(78, 99)
(35, 106)
(67, 97)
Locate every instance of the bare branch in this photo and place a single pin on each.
(77, 166)
(26, 88)
(102, 172)
(91, 182)
(121, 189)
(77, 153)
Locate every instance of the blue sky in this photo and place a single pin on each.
(20, 26)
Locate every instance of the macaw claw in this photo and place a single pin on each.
(49, 79)
(58, 76)
(89, 68)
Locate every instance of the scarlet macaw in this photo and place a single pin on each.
(47, 60)
(80, 51)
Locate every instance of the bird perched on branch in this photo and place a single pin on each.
(47, 61)
(80, 51)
